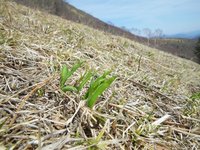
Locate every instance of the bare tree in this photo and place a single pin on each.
(158, 33)
(148, 33)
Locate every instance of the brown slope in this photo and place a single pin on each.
(36, 114)
(183, 48)
(67, 11)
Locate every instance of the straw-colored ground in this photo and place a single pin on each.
(147, 107)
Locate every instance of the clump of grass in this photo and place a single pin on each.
(196, 96)
(96, 88)
(192, 105)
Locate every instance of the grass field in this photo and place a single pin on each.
(148, 106)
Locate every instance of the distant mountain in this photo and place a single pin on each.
(189, 35)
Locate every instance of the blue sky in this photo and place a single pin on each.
(172, 16)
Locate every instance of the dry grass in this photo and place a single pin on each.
(147, 107)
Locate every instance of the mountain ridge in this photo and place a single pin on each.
(187, 35)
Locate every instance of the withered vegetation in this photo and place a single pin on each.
(149, 106)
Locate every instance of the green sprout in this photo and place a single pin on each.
(94, 84)
(65, 74)
(84, 79)
(97, 87)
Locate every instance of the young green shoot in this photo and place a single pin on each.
(65, 74)
(84, 79)
(97, 88)
(96, 83)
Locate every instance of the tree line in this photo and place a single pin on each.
(146, 32)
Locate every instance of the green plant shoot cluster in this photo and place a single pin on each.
(96, 88)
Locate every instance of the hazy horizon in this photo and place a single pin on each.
(173, 17)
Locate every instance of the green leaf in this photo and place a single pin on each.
(89, 90)
(195, 96)
(99, 90)
(99, 80)
(75, 67)
(86, 77)
(69, 88)
(96, 83)
(64, 75)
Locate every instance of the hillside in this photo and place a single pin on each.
(148, 106)
(184, 49)
(69, 12)
(180, 47)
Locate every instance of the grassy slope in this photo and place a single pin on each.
(150, 85)
(183, 48)
(69, 12)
